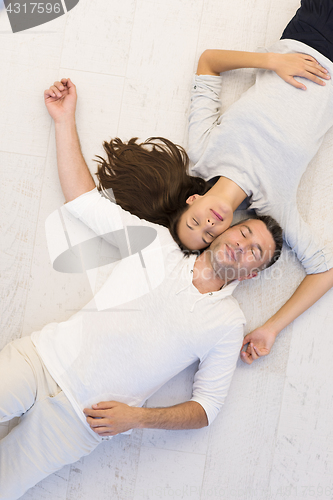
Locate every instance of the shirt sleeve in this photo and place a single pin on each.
(315, 256)
(101, 214)
(204, 113)
(120, 228)
(215, 371)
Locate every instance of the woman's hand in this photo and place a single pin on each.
(260, 342)
(287, 66)
(60, 100)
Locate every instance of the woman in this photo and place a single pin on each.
(262, 145)
(272, 125)
(151, 181)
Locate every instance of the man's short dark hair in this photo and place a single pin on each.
(276, 231)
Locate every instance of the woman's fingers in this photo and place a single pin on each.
(295, 83)
(253, 352)
(316, 77)
(316, 68)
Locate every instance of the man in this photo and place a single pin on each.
(84, 380)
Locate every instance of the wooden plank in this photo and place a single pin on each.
(98, 36)
(157, 91)
(109, 472)
(56, 296)
(21, 177)
(303, 455)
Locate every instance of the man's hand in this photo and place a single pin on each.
(289, 65)
(109, 418)
(60, 100)
(260, 342)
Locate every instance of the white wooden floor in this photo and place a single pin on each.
(132, 61)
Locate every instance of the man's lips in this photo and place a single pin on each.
(230, 252)
(217, 215)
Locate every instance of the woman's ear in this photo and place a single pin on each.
(192, 198)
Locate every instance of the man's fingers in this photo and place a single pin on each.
(106, 405)
(57, 88)
(89, 412)
(99, 410)
(59, 85)
(54, 91)
(68, 84)
(96, 422)
(102, 430)
(48, 93)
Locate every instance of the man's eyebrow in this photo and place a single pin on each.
(248, 228)
(257, 245)
(189, 226)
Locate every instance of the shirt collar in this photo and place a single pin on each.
(225, 291)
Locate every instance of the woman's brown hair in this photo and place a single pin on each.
(149, 179)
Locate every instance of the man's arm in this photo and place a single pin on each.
(312, 288)
(214, 62)
(74, 175)
(111, 417)
(210, 387)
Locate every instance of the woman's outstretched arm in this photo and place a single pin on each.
(214, 62)
(75, 177)
(309, 291)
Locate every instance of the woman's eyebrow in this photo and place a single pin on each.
(189, 226)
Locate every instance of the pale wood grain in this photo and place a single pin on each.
(133, 63)
(21, 177)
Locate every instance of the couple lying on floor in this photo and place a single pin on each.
(169, 303)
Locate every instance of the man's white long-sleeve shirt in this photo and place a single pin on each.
(146, 324)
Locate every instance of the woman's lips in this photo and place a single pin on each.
(217, 215)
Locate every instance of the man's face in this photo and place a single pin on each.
(242, 250)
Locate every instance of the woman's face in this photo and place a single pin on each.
(206, 218)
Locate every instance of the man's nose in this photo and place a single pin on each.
(210, 222)
(240, 247)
